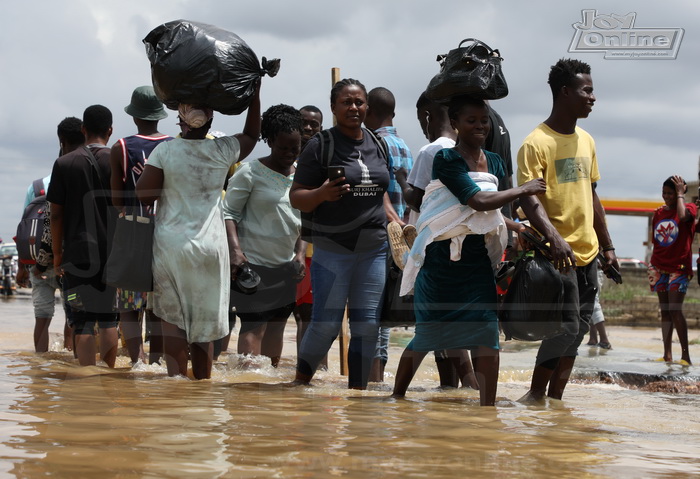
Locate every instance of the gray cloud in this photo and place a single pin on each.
(59, 57)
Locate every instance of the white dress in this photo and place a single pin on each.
(191, 271)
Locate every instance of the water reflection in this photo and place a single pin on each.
(62, 420)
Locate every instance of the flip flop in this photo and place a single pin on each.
(605, 345)
(683, 362)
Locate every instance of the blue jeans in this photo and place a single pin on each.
(337, 279)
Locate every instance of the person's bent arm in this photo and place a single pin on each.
(117, 177)
(307, 199)
(563, 256)
(237, 257)
(251, 130)
(491, 200)
(411, 194)
(150, 185)
(391, 214)
(601, 231)
(300, 258)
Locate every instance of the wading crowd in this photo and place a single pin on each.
(312, 229)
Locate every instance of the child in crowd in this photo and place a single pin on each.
(671, 268)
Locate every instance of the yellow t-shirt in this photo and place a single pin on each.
(569, 165)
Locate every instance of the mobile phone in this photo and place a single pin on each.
(335, 172)
(611, 272)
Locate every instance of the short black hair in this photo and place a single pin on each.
(70, 131)
(382, 102)
(279, 119)
(339, 85)
(458, 103)
(97, 120)
(564, 72)
(312, 109)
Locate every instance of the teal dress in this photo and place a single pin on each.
(455, 301)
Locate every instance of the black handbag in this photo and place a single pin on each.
(473, 70)
(129, 265)
(396, 310)
(532, 307)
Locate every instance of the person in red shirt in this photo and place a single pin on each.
(671, 268)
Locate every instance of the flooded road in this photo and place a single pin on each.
(62, 420)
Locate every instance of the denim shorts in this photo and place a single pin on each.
(44, 289)
(662, 281)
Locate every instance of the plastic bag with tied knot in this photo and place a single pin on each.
(204, 65)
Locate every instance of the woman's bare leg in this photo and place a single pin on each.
(675, 303)
(408, 365)
(666, 325)
(486, 364)
(175, 349)
(273, 340)
(202, 358)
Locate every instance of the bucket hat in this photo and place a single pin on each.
(145, 105)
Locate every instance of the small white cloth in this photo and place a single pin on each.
(444, 217)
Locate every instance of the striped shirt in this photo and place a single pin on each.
(399, 156)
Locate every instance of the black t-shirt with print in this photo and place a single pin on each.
(88, 214)
(357, 222)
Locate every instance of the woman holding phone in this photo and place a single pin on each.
(350, 215)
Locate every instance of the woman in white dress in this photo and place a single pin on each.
(191, 273)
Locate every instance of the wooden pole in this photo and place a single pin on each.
(343, 341)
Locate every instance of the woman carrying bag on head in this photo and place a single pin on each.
(191, 275)
(350, 214)
(461, 237)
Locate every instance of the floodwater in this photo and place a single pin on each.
(60, 420)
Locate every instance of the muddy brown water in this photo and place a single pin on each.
(60, 420)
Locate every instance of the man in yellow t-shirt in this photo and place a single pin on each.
(569, 215)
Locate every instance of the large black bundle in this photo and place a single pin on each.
(473, 70)
(532, 307)
(204, 65)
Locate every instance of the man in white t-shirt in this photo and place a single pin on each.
(436, 127)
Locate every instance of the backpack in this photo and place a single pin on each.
(31, 227)
(327, 150)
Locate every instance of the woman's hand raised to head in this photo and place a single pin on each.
(534, 187)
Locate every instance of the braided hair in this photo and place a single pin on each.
(279, 119)
(339, 85)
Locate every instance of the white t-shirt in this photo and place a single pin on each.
(422, 172)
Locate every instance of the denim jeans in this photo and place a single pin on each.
(357, 279)
(382, 352)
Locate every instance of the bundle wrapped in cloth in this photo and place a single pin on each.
(200, 64)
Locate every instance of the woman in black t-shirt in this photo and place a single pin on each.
(350, 245)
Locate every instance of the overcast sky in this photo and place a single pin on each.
(59, 57)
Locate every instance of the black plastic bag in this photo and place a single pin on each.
(532, 306)
(204, 65)
(474, 70)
